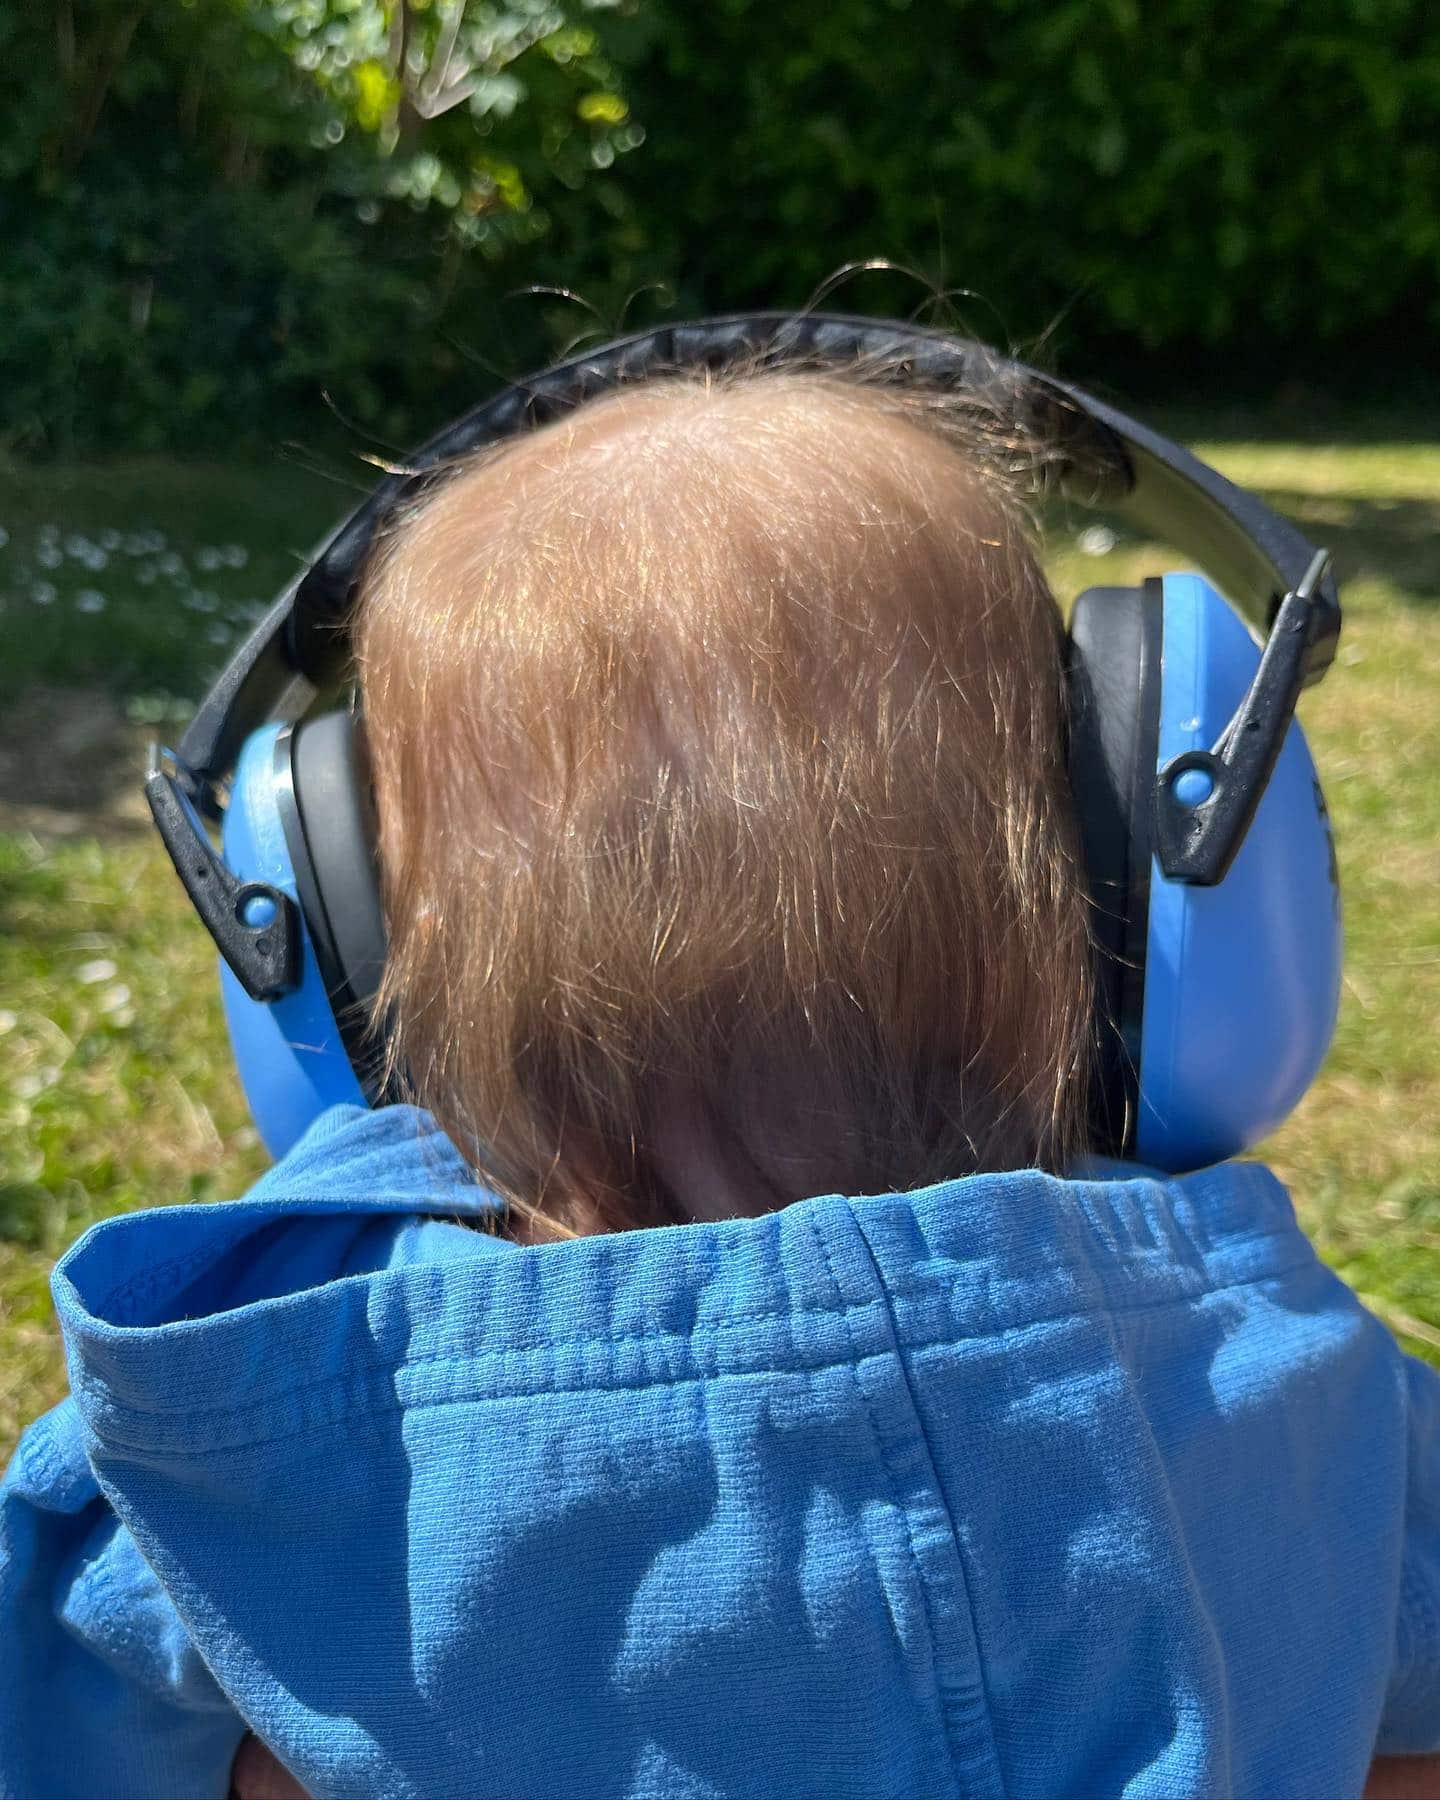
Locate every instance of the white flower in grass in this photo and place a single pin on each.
(170, 564)
(100, 968)
(90, 600)
(43, 593)
(47, 534)
(48, 554)
(110, 540)
(8, 1021)
(115, 999)
(218, 634)
(78, 546)
(235, 556)
(4, 537)
(208, 560)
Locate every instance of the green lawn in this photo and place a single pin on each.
(121, 588)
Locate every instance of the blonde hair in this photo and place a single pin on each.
(717, 737)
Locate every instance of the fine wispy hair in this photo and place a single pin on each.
(717, 731)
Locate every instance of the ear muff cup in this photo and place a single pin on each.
(291, 1053)
(1216, 1004)
(1113, 668)
(1242, 981)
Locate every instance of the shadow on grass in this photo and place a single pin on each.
(71, 762)
(1395, 541)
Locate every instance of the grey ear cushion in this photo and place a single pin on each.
(340, 886)
(1113, 687)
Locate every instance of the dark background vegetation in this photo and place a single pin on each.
(215, 211)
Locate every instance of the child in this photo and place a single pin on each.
(717, 737)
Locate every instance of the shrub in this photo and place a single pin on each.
(215, 211)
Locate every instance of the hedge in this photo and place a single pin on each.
(1237, 180)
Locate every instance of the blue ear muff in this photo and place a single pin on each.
(1215, 921)
(1217, 1003)
(291, 1051)
(1242, 980)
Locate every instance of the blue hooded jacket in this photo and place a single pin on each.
(1013, 1486)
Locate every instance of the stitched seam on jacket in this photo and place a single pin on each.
(189, 1263)
(892, 1358)
(84, 1383)
(900, 1351)
(195, 1261)
(384, 1380)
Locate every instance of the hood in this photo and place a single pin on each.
(978, 1489)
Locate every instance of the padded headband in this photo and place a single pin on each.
(301, 645)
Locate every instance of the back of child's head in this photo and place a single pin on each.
(718, 745)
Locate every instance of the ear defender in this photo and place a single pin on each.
(1218, 994)
(1215, 909)
(299, 821)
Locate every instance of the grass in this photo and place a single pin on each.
(115, 1081)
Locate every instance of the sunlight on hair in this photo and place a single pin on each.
(718, 752)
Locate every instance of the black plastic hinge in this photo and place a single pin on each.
(256, 926)
(1201, 823)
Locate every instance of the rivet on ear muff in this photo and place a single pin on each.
(1193, 787)
(256, 910)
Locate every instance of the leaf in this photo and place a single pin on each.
(377, 94)
(602, 109)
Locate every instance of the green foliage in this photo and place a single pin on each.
(217, 211)
(150, 310)
(1200, 171)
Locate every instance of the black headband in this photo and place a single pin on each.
(1255, 556)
